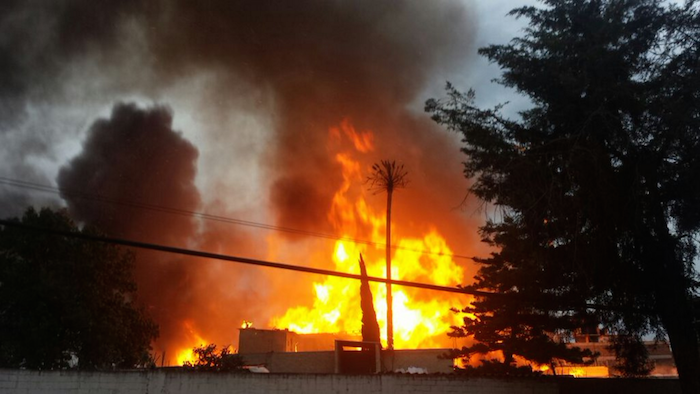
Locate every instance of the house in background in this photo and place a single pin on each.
(284, 351)
(598, 342)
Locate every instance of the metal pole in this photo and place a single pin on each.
(389, 300)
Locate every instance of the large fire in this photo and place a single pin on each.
(421, 318)
(187, 354)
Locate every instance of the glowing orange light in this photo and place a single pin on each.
(420, 319)
(362, 141)
(186, 354)
(588, 371)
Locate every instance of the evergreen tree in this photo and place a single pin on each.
(633, 356)
(596, 184)
(370, 327)
(534, 331)
(67, 302)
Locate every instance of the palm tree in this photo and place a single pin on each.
(387, 176)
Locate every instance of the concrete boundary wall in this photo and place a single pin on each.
(181, 382)
(324, 362)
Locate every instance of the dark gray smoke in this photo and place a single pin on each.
(316, 62)
(135, 155)
(325, 61)
(39, 42)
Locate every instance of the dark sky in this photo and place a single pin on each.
(227, 72)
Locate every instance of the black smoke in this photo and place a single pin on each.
(318, 62)
(325, 61)
(136, 156)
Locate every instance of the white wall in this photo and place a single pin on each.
(180, 382)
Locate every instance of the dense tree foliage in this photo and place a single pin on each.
(209, 360)
(509, 328)
(67, 302)
(633, 356)
(595, 187)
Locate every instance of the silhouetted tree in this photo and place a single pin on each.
(597, 184)
(208, 360)
(66, 302)
(632, 356)
(517, 329)
(387, 176)
(370, 327)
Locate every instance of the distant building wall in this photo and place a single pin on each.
(659, 353)
(322, 341)
(180, 382)
(252, 340)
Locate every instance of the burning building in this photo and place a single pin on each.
(252, 340)
(278, 352)
(248, 128)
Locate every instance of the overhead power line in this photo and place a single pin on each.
(202, 215)
(290, 267)
(240, 260)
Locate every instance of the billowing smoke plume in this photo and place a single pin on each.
(133, 171)
(40, 43)
(325, 61)
(134, 156)
(300, 67)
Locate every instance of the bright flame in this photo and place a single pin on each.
(363, 141)
(186, 354)
(594, 371)
(421, 318)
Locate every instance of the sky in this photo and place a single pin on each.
(63, 69)
(242, 110)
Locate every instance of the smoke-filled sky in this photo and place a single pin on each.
(225, 107)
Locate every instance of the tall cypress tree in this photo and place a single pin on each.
(370, 327)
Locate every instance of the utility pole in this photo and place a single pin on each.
(387, 176)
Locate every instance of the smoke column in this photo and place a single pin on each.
(135, 155)
(312, 63)
(324, 61)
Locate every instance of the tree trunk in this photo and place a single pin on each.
(676, 312)
(389, 300)
(673, 294)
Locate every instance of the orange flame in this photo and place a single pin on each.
(421, 318)
(186, 354)
(363, 141)
(592, 371)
